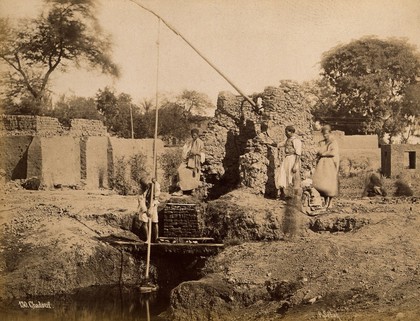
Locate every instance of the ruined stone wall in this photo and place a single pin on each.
(282, 106)
(225, 140)
(235, 152)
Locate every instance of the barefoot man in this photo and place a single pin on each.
(288, 176)
(190, 169)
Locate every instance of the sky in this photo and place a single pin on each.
(255, 43)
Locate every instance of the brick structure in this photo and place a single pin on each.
(25, 125)
(54, 160)
(14, 155)
(87, 127)
(82, 155)
(181, 220)
(400, 159)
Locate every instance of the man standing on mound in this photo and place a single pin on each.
(190, 169)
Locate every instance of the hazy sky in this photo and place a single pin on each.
(255, 43)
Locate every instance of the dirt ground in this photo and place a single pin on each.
(359, 261)
(51, 244)
(369, 269)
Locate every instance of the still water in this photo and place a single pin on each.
(92, 304)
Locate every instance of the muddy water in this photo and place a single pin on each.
(92, 304)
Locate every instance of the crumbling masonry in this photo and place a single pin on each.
(236, 156)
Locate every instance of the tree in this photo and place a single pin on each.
(194, 102)
(411, 104)
(367, 80)
(66, 33)
(146, 105)
(68, 108)
(116, 112)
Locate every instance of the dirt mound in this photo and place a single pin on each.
(371, 273)
(242, 215)
(48, 249)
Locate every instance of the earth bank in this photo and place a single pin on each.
(358, 262)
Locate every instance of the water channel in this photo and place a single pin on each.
(104, 303)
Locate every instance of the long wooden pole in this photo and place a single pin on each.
(152, 194)
(199, 53)
(131, 120)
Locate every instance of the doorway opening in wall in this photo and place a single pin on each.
(411, 160)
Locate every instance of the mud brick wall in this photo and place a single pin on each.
(48, 126)
(23, 125)
(87, 127)
(96, 162)
(182, 220)
(55, 160)
(19, 125)
(13, 157)
(400, 159)
(121, 148)
(11, 125)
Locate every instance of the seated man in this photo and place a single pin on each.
(147, 207)
(311, 199)
(190, 169)
(374, 187)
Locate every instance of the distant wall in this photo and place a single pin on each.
(96, 156)
(55, 160)
(400, 159)
(351, 141)
(13, 157)
(21, 125)
(87, 127)
(18, 125)
(82, 154)
(127, 148)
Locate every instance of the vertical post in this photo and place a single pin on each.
(131, 119)
(147, 310)
(152, 194)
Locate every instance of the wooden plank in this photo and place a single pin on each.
(134, 243)
(186, 238)
(188, 204)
